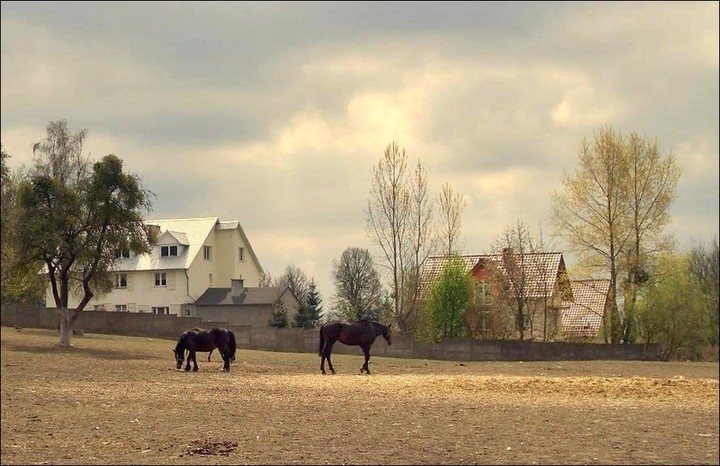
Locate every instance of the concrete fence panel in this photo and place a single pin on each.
(302, 340)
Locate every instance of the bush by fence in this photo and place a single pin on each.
(302, 340)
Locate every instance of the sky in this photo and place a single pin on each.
(275, 113)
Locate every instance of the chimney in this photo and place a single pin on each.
(153, 232)
(236, 286)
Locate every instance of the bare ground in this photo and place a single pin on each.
(120, 400)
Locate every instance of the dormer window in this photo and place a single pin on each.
(166, 251)
(120, 253)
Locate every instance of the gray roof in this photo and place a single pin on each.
(248, 297)
(189, 232)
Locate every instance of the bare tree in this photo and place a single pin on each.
(358, 292)
(399, 222)
(612, 211)
(515, 246)
(452, 205)
(652, 180)
(295, 279)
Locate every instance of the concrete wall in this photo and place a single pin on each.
(300, 340)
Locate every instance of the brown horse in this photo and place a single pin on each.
(361, 333)
(195, 340)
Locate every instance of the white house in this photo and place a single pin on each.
(191, 255)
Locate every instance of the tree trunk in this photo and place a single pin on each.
(67, 323)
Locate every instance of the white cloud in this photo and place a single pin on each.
(278, 124)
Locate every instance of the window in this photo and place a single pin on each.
(120, 280)
(120, 253)
(160, 279)
(241, 254)
(210, 280)
(121, 308)
(207, 253)
(166, 251)
(482, 294)
(187, 312)
(161, 310)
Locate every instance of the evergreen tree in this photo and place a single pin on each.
(279, 317)
(310, 311)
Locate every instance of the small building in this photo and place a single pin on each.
(241, 305)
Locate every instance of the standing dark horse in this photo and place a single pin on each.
(361, 333)
(195, 340)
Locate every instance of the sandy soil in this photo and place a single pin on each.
(120, 400)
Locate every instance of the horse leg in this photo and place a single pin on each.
(193, 355)
(325, 355)
(328, 352)
(187, 364)
(210, 354)
(366, 352)
(226, 360)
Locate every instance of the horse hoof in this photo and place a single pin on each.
(195, 369)
(187, 369)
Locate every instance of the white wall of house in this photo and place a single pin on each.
(230, 265)
(140, 295)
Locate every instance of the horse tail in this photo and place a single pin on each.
(233, 345)
(322, 340)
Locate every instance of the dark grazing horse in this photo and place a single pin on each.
(361, 333)
(195, 339)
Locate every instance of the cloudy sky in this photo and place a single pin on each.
(274, 113)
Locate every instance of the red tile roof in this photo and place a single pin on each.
(541, 269)
(583, 316)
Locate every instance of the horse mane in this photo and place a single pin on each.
(180, 346)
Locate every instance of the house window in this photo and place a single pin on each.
(160, 310)
(120, 253)
(210, 280)
(120, 280)
(166, 251)
(187, 312)
(241, 254)
(160, 279)
(207, 253)
(482, 294)
(121, 308)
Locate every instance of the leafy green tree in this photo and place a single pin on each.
(704, 263)
(671, 312)
(358, 292)
(76, 214)
(612, 211)
(20, 281)
(450, 296)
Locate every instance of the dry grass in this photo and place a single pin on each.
(119, 400)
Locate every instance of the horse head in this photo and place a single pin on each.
(179, 350)
(387, 334)
(179, 357)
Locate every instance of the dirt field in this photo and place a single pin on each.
(120, 400)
